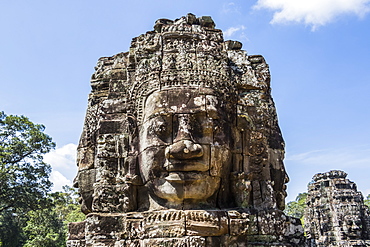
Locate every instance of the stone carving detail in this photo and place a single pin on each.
(181, 145)
(335, 213)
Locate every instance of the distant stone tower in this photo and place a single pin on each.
(335, 213)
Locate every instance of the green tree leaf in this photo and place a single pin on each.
(49, 227)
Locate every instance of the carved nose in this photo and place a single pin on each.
(184, 130)
(185, 149)
(184, 146)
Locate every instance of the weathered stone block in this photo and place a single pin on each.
(114, 198)
(76, 230)
(76, 243)
(85, 181)
(162, 224)
(103, 227)
(206, 223)
(175, 242)
(242, 223)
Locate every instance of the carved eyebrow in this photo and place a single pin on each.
(159, 114)
(169, 112)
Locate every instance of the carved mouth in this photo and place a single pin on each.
(185, 166)
(182, 177)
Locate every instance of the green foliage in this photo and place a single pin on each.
(367, 201)
(296, 208)
(29, 214)
(67, 206)
(44, 229)
(48, 227)
(11, 233)
(24, 177)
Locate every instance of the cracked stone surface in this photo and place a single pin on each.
(181, 146)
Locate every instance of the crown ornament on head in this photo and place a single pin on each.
(170, 79)
(185, 53)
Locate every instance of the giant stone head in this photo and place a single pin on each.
(184, 120)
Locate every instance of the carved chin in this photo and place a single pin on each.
(175, 188)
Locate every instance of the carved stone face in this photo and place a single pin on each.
(352, 226)
(184, 146)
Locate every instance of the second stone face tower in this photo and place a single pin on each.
(335, 213)
(181, 146)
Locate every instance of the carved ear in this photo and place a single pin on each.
(86, 180)
(132, 175)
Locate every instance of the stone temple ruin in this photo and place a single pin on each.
(181, 147)
(335, 213)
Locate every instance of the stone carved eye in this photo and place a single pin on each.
(201, 126)
(161, 127)
(197, 129)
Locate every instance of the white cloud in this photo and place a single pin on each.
(62, 157)
(350, 157)
(230, 8)
(314, 13)
(63, 163)
(59, 180)
(366, 192)
(232, 30)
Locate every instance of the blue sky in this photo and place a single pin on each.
(318, 52)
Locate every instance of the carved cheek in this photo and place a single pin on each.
(151, 162)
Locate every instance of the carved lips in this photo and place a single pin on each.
(182, 177)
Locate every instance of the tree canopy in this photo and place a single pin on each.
(24, 177)
(44, 227)
(49, 227)
(296, 208)
(29, 214)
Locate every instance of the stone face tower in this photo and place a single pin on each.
(181, 146)
(335, 213)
